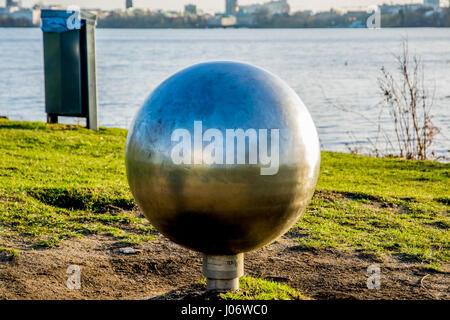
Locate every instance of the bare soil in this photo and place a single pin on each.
(163, 270)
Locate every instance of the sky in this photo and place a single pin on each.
(212, 6)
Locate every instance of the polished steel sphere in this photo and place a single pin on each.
(223, 201)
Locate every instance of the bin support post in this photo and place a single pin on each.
(52, 118)
(92, 120)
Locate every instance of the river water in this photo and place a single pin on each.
(330, 69)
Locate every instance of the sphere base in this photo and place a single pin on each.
(223, 272)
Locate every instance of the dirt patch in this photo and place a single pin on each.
(162, 270)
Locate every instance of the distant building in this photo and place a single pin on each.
(431, 3)
(413, 6)
(190, 9)
(33, 16)
(228, 21)
(249, 9)
(246, 20)
(4, 12)
(277, 7)
(395, 9)
(129, 4)
(356, 13)
(231, 7)
(273, 7)
(170, 14)
(18, 13)
(390, 9)
(222, 21)
(13, 3)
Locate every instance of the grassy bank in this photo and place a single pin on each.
(60, 181)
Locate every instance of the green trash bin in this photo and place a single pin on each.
(69, 65)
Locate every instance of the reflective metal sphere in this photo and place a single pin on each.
(227, 207)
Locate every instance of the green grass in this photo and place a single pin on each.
(59, 182)
(380, 207)
(260, 289)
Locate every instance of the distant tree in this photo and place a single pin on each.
(11, 22)
(263, 17)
